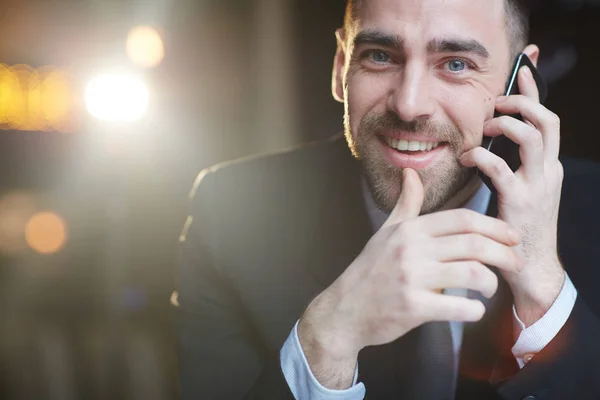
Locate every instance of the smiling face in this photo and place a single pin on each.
(418, 80)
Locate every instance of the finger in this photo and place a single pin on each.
(531, 150)
(453, 222)
(492, 166)
(411, 198)
(441, 307)
(527, 85)
(474, 247)
(547, 123)
(463, 274)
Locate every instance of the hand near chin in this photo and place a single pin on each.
(528, 198)
(396, 283)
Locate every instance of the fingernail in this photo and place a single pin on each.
(527, 71)
(514, 235)
(521, 263)
(501, 99)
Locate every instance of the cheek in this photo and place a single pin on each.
(365, 94)
(469, 111)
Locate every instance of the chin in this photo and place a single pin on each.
(440, 184)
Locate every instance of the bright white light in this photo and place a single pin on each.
(116, 98)
(145, 47)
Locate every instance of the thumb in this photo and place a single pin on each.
(411, 198)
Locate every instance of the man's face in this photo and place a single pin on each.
(416, 75)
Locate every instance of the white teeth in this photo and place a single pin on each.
(413, 146)
(405, 145)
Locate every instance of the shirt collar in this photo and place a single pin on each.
(479, 202)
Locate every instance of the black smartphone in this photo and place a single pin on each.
(501, 145)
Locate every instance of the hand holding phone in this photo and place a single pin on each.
(501, 145)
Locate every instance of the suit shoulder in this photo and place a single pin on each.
(577, 167)
(581, 191)
(263, 166)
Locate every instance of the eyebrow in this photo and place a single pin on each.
(445, 45)
(378, 38)
(457, 45)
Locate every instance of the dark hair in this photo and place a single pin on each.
(517, 21)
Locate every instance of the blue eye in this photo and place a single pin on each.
(456, 65)
(380, 57)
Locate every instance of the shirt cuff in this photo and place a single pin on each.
(302, 383)
(532, 340)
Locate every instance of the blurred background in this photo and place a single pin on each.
(109, 109)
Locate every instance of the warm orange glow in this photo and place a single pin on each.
(35, 100)
(145, 47)
(46, 232)
(56, 98)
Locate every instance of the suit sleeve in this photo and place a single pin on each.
(567, 368)
(221, 357)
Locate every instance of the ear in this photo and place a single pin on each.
(533, 52)
(339, 62)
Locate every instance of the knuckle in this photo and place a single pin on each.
(476, 245)
(474, 271)
(405, 276)
(534, 138)
(499, 167)
(465, 219)
(554, 119)
(535, 135)
(399, 252)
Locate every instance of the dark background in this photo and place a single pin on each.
(94, 321)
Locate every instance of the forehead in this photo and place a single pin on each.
(419, 21)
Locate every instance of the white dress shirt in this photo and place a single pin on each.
(529, 341)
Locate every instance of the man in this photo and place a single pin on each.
(311, 275)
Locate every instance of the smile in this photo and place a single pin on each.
(413, 154)
(406, 145)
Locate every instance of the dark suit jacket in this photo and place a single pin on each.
(266, 234)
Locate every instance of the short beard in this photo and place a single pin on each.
(441, 182)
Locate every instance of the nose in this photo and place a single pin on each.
(410, 98)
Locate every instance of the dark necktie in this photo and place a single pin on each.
(435, 366)
(420, 365)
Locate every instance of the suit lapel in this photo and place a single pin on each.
(341, 217)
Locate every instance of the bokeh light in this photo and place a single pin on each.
(145, 47)
(116, 98)
(57, 98)
(46, 232)
(36, 99)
